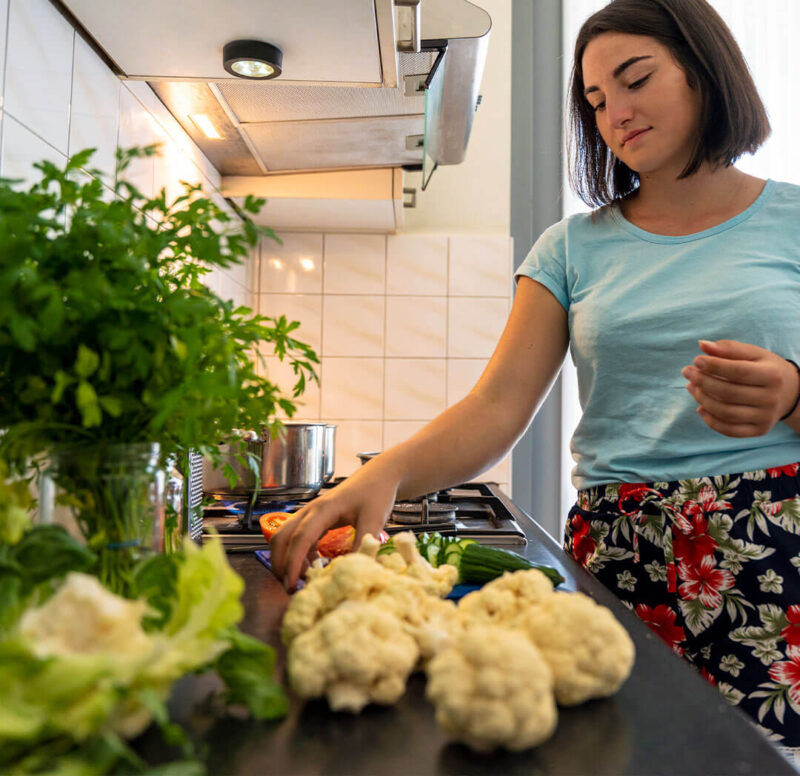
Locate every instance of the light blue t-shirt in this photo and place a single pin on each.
(638, 302)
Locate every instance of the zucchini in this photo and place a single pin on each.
(480, 564)
(432, 551)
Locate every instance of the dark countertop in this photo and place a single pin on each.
(665, 719)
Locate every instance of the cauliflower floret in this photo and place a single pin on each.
(503, 600)
(430, 621)
(438, 581)
(492, 688)
(83, 618)
(588, 650)
(356, 654)
(351, 577)
(393, 561)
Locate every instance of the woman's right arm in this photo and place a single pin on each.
(459, 444)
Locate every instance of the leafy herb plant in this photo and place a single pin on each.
(107, 332)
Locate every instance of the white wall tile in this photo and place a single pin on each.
(415, 388)
(355, 264)
(280, 373)
(21, 148)
(353, 437)
(416, 326)
(462, 374)
(136, 128)
(306, 308)
(3, 26)
(352, 325)
(397, 431)
(95, 110)
(475, 325)
(39, 69)
(352, 388)
(416, 264)
(480, 266)
(500, 472)
(294, 267)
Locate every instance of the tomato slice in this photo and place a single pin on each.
(339, 541)
(270, 522)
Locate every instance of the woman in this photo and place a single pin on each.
(679, 298)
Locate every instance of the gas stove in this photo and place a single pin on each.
(475, 510)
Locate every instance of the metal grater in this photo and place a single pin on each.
(195, 518)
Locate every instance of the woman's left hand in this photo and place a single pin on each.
(742, 389)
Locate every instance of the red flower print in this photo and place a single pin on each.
(661, 621)
(708, 677)
(791, 633)
(705, 582)
(583, 545)
(695, 545)
(790, 470)
(706, 502)
(671, 577)
(788, 672)
(633, 491)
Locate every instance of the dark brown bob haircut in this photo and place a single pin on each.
(733, 120)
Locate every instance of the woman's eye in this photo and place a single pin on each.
(639, 83)
(599, 106)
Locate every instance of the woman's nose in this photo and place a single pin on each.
(619, 111)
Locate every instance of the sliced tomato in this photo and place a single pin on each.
(339, 541)
(270, 522)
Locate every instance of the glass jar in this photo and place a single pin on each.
(113, 497)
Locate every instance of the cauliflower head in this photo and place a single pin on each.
(351, 577)
(356, 654)
(83, 618)
(493, 689)
(589, 652)
(505, 599)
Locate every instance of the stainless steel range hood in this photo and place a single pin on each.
(353, 94)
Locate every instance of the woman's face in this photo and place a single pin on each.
(645, 110)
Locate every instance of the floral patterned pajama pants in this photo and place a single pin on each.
(712, 565)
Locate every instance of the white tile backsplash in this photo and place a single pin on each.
(294, 267)
(39, 70)
(94, 115)
(475, 325)
(416, 326)
(306, 308)
(352, 388)
(415, 388)
(353, 437)
(416, 264)
(136, 128)
(462, 374)
(280, 373)
(3, 26)
(352, 325)
(397, 431)
(21, 148)
(355, 264)
(480, 266)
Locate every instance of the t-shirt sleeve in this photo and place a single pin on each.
(546, 263)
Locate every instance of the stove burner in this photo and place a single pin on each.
(423, 513)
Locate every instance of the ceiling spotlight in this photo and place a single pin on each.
(252, 59)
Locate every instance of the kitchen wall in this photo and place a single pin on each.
(58, 97)
(404, 324)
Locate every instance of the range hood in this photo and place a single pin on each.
(365, 83)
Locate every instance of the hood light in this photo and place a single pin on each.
(204, 124)
(252, 59)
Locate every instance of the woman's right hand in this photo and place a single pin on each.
(363, 500)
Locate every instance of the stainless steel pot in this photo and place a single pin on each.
(364, 457)
(329, 459)
(291, 465)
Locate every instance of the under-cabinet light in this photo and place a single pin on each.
(252, 59)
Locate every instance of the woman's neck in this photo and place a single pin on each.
(691, 204)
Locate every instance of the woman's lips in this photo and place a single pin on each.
(635, 137)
